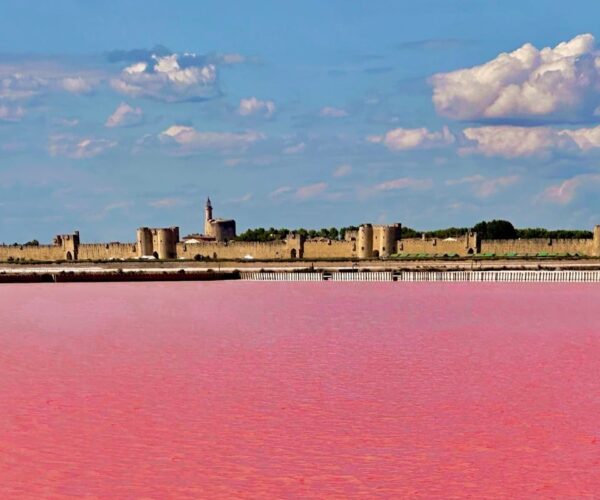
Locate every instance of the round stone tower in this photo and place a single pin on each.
(365, 241)
(596, 242)
(144, 241)
(389, 236)
(165, 242)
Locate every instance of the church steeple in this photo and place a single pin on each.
(207, 218)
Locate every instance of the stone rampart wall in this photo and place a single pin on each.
(537, 245)
(329, 249)
(107, 251)
(22, 252)
(234, 250)
(433, 246)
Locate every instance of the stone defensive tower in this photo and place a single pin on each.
(69, 244)
(378, 241)
(472, 243)
(385, 240)
(157, 242)
(294, 246)
(365, 241)
(596, 242)
(219, 229)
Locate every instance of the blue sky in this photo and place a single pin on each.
(309, 114)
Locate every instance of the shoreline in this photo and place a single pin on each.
(587, 270)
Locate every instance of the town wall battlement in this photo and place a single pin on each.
(467, 244)
(30, 252)
(369, 241)
(333, 249)
(235, 250)
(64, 247)
(107, 251)
(538, 245)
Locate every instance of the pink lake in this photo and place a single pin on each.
(299, 390)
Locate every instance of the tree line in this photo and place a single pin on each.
(487, 230)
(274, 234)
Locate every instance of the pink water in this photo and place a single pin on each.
(298, 390)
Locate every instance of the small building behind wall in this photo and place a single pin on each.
(157, 242)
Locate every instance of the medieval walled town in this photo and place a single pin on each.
(218, 241)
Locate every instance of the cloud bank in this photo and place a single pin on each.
(403, 139)
(331, 112)
(188, 139)
(565, 192)
(563, 81)
(513, 142)
(11, 113)
(125, 116)
(78, 148)
(169, 78)
(484, 187)
(254, 106)
(403, 183)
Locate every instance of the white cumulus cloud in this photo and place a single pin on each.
(24, 77)
(230, 59)
(165, 203)
(342, 170)
(565, 192)
(11, 113)
(77, 85)
(331, 112)
(170, 78)
(310, 191)
(189, 139)
(512, 142)
(280, 191)
(484, 186)
(525, 83)
(295, 149)
(403, 183)
(125, 116)
(254, 106)
(403, 139)
(78, 148)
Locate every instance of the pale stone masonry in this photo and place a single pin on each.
(218, 242)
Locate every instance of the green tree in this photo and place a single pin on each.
(539, 232)
(495, 230)
(344, 230)
(408, 232)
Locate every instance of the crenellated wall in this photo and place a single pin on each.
(329, 249)
(64, 247)
(291, 248)
(22, 252)
(538, 245)
(234, 250)
(463, 245)
(107, 251)
(372, 242)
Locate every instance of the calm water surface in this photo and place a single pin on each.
(299, 390)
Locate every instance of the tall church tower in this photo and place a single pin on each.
(207, 218)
